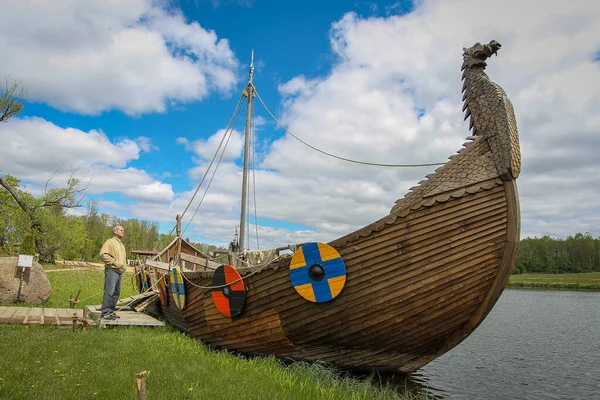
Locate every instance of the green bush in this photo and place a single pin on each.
(28, 246)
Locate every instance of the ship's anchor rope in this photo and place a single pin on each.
(333, 155)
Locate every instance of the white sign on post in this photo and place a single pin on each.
(25, 261)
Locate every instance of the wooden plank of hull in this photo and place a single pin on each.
(381, 319)
(415, 288)
(383, 276)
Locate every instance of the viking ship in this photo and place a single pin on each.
(391, 296)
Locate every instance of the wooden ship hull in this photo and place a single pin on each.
(418, 281)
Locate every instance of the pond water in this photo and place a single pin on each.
(533, 345)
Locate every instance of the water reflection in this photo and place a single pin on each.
(533, 345)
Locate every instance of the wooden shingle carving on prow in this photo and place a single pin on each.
(491, 112)
(492, 152)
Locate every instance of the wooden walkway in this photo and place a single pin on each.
(39, 316)
(128, 318)
(65, 316)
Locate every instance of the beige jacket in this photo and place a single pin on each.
(113, 255)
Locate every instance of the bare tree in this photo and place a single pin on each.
(55, 200)
(12, 98)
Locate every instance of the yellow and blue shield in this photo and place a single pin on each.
(317, 272)
(177, 288)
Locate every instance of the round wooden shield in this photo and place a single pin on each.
(161, 290)
(145, 279)
(164, 299)
(228, 299)
(317, 272)
(161, 297)
(177, 288)
(148, 280)
(138, 279)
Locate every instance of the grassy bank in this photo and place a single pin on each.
(90, 282)
(57, 363)
(47, 362)
(586, 281)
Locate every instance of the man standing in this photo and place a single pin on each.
(114, 258)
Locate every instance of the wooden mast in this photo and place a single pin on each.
(248, 93)
(178, 231)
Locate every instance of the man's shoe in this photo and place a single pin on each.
(116, 316)
(110, 317)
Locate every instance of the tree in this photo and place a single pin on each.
(47, 212)
(12, 98)
(9, 213)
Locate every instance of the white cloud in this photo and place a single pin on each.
(34, 149)
(391, 70)
(145, 144)
(92, 56)
(229, 146)
(394, 96)
(34, 144)
(152, 192)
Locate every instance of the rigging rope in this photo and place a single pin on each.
(235, 281)
(227, 134)
(338, 157)
(213, 174)
(231, 121)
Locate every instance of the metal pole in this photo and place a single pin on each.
(249, 93)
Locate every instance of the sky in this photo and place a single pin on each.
(134, 97)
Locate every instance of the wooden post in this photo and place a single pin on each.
(75, 300)
(21, 272)
(141, 385)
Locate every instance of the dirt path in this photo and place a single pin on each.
(70, 269)
(129, 269)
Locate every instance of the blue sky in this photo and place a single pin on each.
(134, 95)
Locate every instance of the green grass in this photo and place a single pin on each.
(585, 281)
(91, 282)
(57, 363)
(48, 362)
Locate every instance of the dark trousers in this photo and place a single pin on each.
(112, 290)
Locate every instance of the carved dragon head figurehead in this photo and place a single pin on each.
(491, 112)
(478, 53)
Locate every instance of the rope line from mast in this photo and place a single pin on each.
(254, 183)
(333, 155)
(232, 121)
(213, 172)
(235, 281)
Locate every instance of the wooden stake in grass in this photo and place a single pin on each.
(75, 300)
(141, 385)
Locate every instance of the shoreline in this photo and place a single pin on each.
(556, 287)
(587, 281)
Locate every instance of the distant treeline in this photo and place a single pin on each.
(578, 253)
(63, 235)
(55, 233)
(80, 237)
